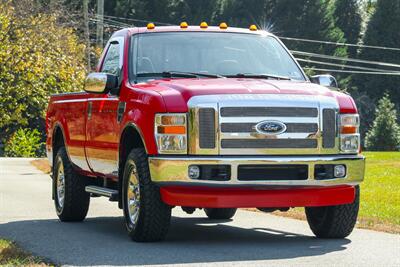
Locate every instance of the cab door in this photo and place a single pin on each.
(102, 128)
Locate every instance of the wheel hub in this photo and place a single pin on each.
(60, 186)
(133, 196)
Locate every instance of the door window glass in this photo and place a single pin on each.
(112, 59)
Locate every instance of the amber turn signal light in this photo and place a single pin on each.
(171, 129)
(348, 129)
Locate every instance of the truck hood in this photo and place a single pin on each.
(177, 92)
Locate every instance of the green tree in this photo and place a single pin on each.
(153, 10)
(240, 13)
(25, 143)
(385, 132)
(192, 11)
(305, 19)
(382, 30)
(38, 57)
(348, 18)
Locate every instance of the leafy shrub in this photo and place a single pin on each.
(38, 57)
(384, 134)
(25, 143)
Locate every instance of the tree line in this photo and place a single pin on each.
(24, 89)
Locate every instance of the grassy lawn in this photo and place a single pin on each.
(12, 255)
(380, 194)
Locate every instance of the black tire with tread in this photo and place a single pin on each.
(76, 199)
(154, 215)
(220, 213)
(334, 221)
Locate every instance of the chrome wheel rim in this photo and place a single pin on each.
(133, 196)
(60, 186)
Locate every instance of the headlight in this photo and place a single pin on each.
(349, 133)
(171, 133)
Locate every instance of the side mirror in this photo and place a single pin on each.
(100, 83)
(325, 80)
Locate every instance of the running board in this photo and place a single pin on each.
(102, 191)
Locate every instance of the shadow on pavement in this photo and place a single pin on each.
(103, 241)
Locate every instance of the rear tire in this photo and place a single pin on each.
(334, 221)
(220, 213)
(147, 217)
(70, 199)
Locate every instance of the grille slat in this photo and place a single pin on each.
(272, 172)
(250, 127)
(268, 112)
(269, 143)
(207, 132)
(328, 128)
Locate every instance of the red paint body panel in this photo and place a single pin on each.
(250, 198)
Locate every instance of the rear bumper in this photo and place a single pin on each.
(168, 170)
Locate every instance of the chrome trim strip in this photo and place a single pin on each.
(70, 101)
(175, 169)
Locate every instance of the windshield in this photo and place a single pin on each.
(226, 54)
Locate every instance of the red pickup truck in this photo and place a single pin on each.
(211, 118)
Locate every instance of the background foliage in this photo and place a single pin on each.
(38, 57)
(25, 143)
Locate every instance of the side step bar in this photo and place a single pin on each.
(102, 191)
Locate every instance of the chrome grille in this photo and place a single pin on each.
(250, 127)
(329, 128)
(269, 143)
(309, 120)
(207, 128)
(268, 112)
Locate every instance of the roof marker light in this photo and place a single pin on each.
(253, 27)
(223, 26)
(204, 25)
(150, 26)
(184, 25)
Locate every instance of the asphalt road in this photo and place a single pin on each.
(27, 216)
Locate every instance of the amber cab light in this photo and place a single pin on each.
(150, 26)
(204, 25)
(223, 26)
(253, 27)
(184, 25)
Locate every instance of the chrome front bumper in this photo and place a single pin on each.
(168, 170)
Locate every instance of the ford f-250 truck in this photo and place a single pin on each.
(212, 118)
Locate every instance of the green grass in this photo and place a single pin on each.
(12, 255)
(380, 194)
(380, 191)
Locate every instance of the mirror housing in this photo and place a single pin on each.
(325, 80)
(100, 83)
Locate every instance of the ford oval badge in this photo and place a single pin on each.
(271, 127)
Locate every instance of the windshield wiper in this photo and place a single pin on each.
(259, 76)
(182, 74)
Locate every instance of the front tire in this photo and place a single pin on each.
(70, 199)
(220, 213)
(334, 221)
(147, 217)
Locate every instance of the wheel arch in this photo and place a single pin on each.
(57, 140)
(131, 137)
